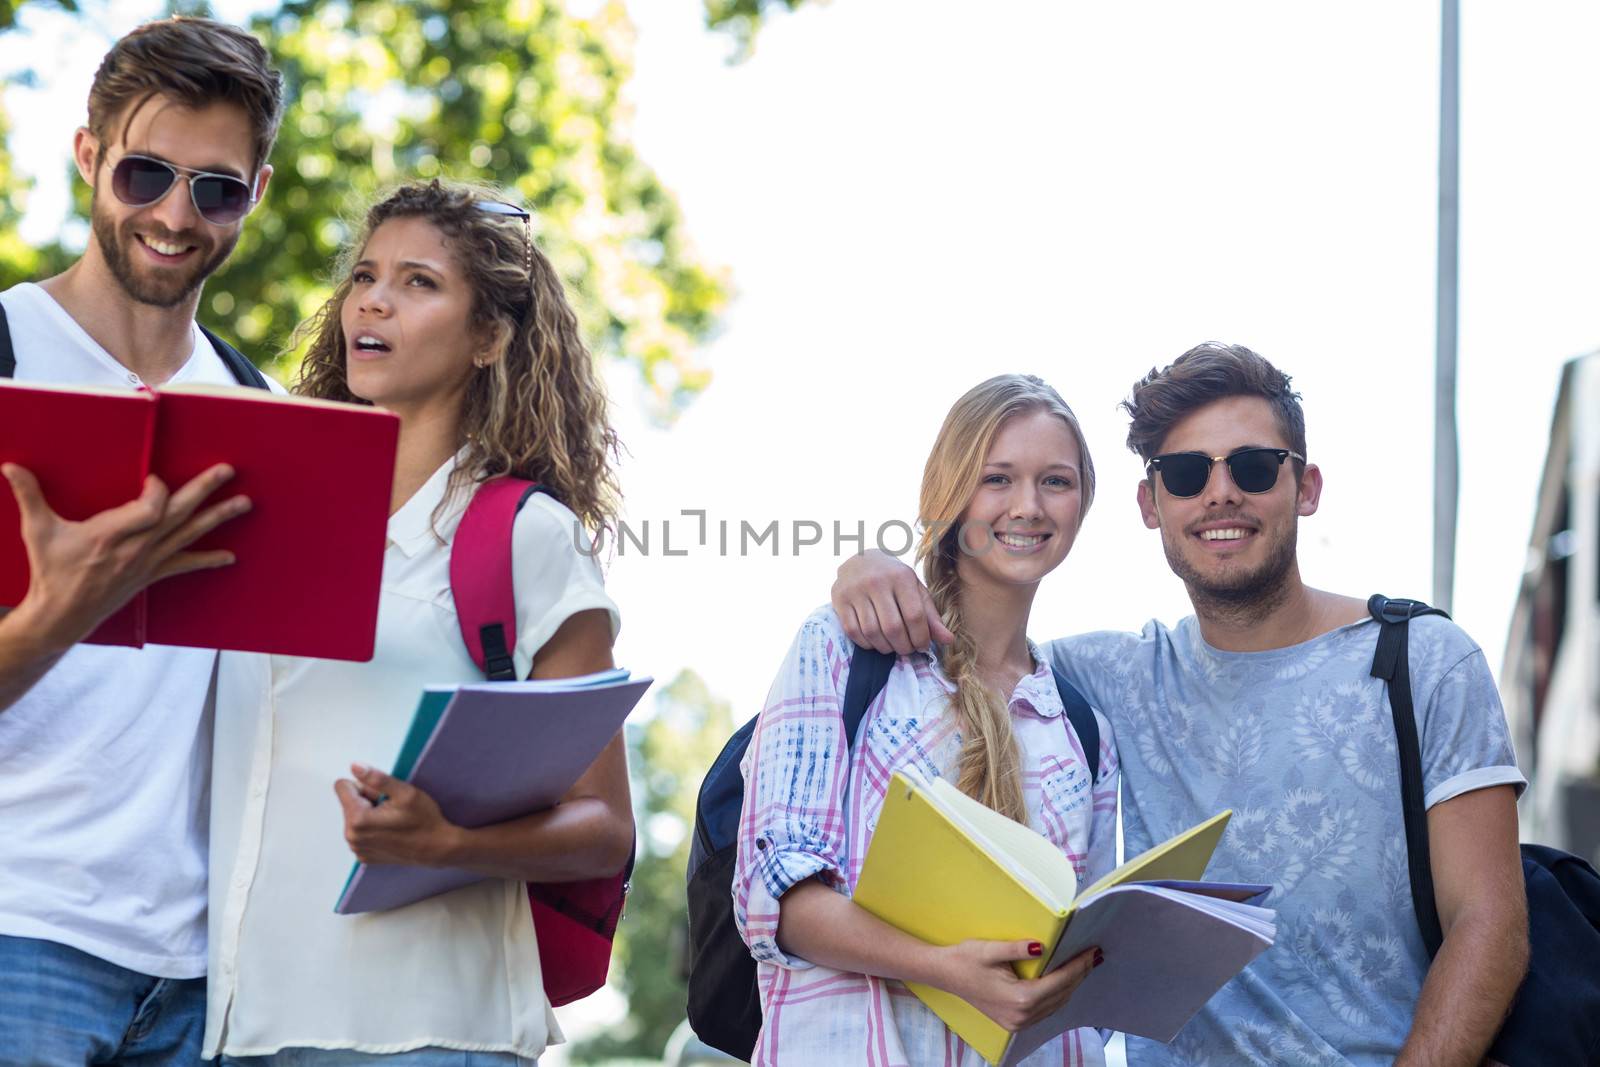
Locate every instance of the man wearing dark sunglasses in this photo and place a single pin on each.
(105, 752)
(1262, 702)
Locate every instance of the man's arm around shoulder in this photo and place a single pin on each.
(1483, 910)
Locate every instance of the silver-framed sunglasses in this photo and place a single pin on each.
(498, 207)
(221, 199)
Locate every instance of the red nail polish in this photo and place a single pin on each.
(1099, 957)
(1035, 949)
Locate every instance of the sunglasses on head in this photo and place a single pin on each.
(1254, 470)
(221, 199)
(496, 207)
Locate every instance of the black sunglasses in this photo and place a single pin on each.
(496, 207)
(221, 199)
(1254, 470)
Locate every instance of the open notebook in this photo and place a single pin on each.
(309, 553)
(492, 751)
(945, 868)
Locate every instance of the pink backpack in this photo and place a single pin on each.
(575, 921)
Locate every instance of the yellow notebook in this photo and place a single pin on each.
(945, 868)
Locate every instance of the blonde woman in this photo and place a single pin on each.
(447, 315)
(1003, 495)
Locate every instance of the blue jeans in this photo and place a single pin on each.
(60, 1007)
(422, 1057)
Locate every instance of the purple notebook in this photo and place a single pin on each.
(489, 752)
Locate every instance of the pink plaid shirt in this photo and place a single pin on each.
(806, 813)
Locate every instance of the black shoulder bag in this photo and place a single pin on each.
(1555, 1018)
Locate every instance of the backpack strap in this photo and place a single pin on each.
(1081, 715)
(244, 372)
(1391, 662)
(576, 922)
(8, 357)
(480, 574)
(869, 673)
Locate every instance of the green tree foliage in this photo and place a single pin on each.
(515, 92)
(9, 9)
(669, 755)
(17, 260)
(743, 19)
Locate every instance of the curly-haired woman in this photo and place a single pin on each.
(449, 316)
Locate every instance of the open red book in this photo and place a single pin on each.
(309, 554)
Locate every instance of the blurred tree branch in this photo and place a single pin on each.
(9, 8)
(743, 19)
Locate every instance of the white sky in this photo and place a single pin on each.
(910, 198)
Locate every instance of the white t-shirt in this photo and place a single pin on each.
(104, 764)
(460, 970)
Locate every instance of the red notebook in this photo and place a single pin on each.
(309, 553)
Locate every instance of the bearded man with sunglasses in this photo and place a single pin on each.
(1262, 702)
(105, 752)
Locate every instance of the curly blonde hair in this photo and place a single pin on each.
(538, 411)
(990, 768)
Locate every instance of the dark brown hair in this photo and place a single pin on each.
(538, 410)
(1206, 373)
(197, 62)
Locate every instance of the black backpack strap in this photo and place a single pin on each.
(1391, 662)
(869, 673)
(243, 371)
(1081, 715)
(8, 357)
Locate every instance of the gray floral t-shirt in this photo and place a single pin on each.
(1300, 743)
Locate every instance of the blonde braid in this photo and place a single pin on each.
(990, 767)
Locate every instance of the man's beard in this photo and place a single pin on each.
(171, 288)
(1243, 595)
